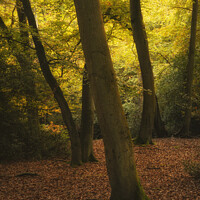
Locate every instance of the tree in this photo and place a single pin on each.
(185, 131)
(140, 38)
(58, 94)
(116, 136)
(117, 13)
(87, 120)
(26, 65)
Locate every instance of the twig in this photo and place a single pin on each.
(27, 174)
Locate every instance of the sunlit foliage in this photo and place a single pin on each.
(167, 24)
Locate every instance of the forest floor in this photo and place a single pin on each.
(160, 168)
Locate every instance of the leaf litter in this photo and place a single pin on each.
(159, 166)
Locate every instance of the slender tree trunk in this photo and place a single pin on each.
(58, 94)
(185, 131)
(140, 38)
(26, 65)
(87, 120)
(158, 123)
(116, 136)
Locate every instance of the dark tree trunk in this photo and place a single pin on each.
(26, 65)
(87, 119)
(140, 38)
(58, 94)
(159, 127)
(116, 136)
(185, 131)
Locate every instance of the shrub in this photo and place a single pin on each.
(54, 141)
(192, 168)
(17, 143)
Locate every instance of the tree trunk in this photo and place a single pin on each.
(185, 131)
(159, 127)
(87, 119)
(26, 65)
(58, 94)
(140, 38)
(116, 136)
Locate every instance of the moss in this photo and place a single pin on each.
(140, 191)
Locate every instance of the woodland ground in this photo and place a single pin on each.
(160, 168)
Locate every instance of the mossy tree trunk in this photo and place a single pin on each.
(58, 94)
(116, 136)
(185, 131)
(87, 120)
(140, 38)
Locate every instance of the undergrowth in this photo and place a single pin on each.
(192, 168)
(20, 144)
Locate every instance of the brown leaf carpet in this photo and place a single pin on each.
(159, 167)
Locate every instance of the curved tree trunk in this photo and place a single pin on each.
(140, 38)
(87, 119)
(185, 131)
(116, 136)
(58, 94)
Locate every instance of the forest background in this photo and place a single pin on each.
(167, 25)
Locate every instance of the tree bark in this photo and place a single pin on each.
(140, 38)
(185, 131)
(26, 65)
(116, 136)
(87, 119)
(58, 94)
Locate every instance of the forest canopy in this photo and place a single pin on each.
(167, 25)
